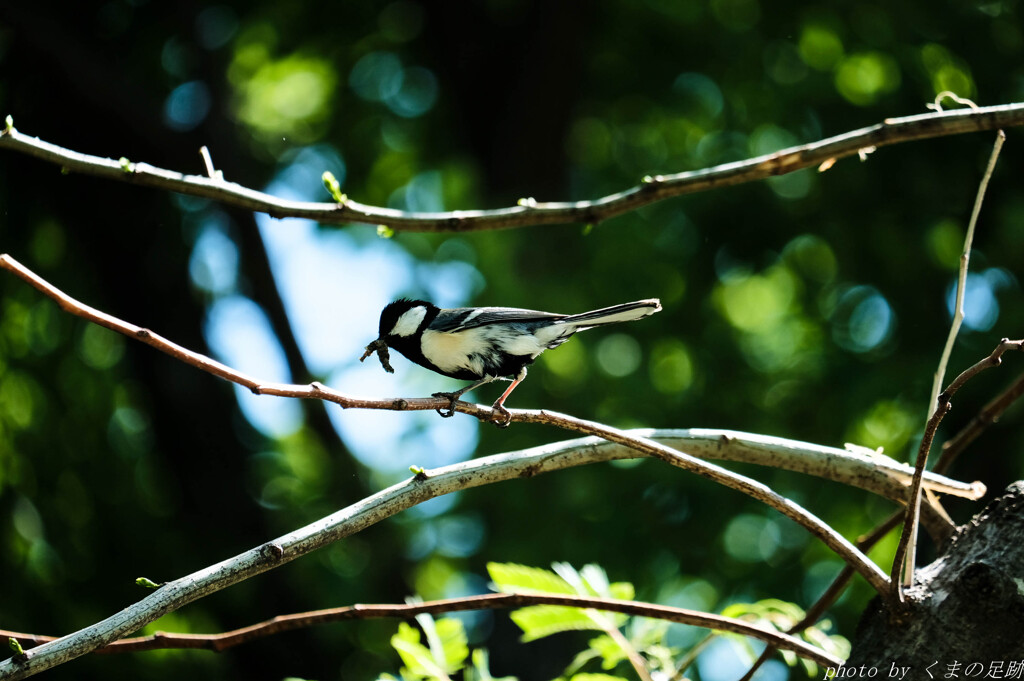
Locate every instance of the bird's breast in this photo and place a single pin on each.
(482, 351)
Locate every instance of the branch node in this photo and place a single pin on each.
(400, 404)
(651, 182)
(273, 552)
(143, 334)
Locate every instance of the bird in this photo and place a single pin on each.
(484, 344)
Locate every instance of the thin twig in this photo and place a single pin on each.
(961, 282)
(879, 474)
(988, 415)
(656, 188)
(958, 316)
(636, 660)
(372, 509)
(425, 485)
(909, 533)
(229, 639)
(211, 172)
(833, 592)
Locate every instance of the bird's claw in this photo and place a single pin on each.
(505, 416)
(452, 399)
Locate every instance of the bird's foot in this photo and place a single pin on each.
(504, 415)
(452, 399)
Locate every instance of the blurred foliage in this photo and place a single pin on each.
(647, 640)
(811, 306)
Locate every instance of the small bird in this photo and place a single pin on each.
(483, 344)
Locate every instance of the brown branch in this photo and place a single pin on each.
(820, 154)
(909, 533)
(723, 476)
(833, 592)
(988, 415)
(282, 623)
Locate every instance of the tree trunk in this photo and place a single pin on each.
(965, 616)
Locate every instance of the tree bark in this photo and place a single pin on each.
(965, 609)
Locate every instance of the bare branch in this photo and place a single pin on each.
(424, 485)
(823, 154)
(965, 258)
(853, 466)
(909, 534)
(958, 317)
(723, 476)
(281, 623)
(988, 415)
(832, 593)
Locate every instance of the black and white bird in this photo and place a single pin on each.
(483, 344)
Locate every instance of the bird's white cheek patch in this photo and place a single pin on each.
(409, 321)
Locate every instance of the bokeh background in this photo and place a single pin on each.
(810, 306)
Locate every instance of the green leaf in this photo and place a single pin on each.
(418, 661)
(578, 662)
(538, 621)
(480, 671)
(385, 232)
(15, 646)
(513, 578)
(595, 677)
(611, 652)
(147, 583)
(126, 165)
(10, 122)
(593, 580)
(624, 591)
(447, 639)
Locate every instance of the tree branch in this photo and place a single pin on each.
(653, 189)
(854, 466)
(832, 593)
(424, 485)
(988, 415)
(723, 476)
(954, 329)
(229, 639)
(961, 282)
(909, 533)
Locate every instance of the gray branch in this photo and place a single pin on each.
(821, 154)
(433, 483)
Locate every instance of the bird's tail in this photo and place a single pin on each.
(626, 312)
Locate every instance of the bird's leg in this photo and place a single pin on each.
(453, 397)
(499, 404)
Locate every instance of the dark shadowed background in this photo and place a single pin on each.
(813, 306)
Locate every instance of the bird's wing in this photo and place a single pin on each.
(462, 318)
